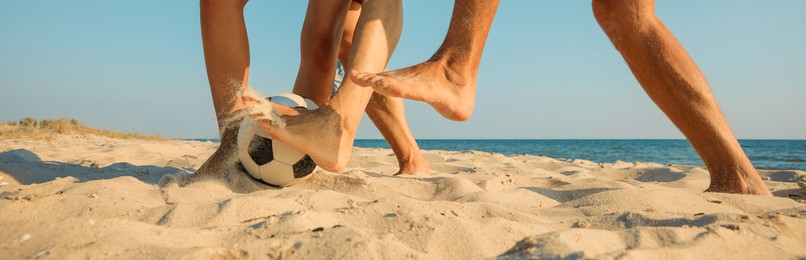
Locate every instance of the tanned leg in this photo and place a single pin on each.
(327, 134)
(447, 81)
(387, 113)
(674, 82)
(226, 55)
(319, 47)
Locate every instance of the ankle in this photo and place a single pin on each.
(411, 166)
(457, 70)
(743, 179)
(229, 131)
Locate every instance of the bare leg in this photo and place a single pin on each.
(674, 82)
(387, 113)
(319, 47)
(226, 54)
(447, 81)
(348, 31)
(327, 134)
(326, 24)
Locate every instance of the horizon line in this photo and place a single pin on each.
(539, 139)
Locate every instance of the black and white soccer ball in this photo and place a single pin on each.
(272, 161)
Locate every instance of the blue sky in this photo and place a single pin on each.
(548, 71)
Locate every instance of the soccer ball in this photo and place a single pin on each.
(271, 161)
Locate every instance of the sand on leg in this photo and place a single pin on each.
(447, 81)
(226, 55)
(327, 134)
(674, 82)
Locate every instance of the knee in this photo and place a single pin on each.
(612, 14)
(215, 4)
(384, 7)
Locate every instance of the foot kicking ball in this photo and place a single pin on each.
(271, 161)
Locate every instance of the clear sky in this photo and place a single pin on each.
(548, 71)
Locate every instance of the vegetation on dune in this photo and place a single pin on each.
(48, 128)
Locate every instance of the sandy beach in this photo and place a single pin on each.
(73, 196)
(541, 129)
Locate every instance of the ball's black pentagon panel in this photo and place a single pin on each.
(260, 150)
(304, 167)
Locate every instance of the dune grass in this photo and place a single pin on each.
(48, 128)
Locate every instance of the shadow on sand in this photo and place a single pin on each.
(27, 168)
(659, 175)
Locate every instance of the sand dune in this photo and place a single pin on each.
(79, 196)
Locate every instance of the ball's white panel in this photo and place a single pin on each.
(297, 180)
(289, 100)
(310, 105)
(245, 134)
(293, 100)
(277, 173)
(285, 153)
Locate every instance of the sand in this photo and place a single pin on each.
(77, 196)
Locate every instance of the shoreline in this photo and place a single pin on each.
(765, 154)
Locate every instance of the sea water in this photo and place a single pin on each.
(765, 154)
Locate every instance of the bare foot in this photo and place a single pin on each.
(744, 184)
(223, 162)
(223, 165)
(449, 91)
(223, 159)
(416, 166)
(320, 133)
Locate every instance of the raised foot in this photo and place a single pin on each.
(450, 91)
(318, 133)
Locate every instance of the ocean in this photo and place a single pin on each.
(765, 154)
